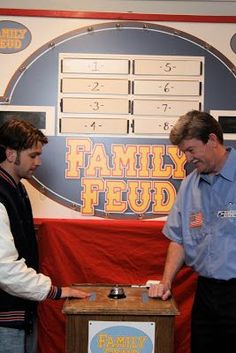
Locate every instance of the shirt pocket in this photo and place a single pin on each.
(197, 228)
(198, 235)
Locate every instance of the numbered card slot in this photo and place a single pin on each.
(166, 87)
(148, 126)
(94, 126)
(95, 66)
(163, 107)
(167, 67)
(94, 86)
(95, 106)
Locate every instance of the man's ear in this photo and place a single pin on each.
(213, 139)
(11, 155)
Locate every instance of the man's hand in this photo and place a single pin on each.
(74, 292)
(159, 291)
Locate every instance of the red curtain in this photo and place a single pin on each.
(106, 251)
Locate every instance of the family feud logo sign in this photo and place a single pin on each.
(128, 179)
(113, 337)
(14, 37)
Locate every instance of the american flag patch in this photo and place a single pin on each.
(196, 220)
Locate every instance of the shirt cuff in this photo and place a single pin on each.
(54, 293)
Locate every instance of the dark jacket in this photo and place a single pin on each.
(15, 311)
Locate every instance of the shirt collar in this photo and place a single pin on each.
(228, 170)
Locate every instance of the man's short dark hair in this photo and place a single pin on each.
(19, 135)
(196, 124)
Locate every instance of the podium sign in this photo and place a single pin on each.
(134, 324)
(125, 337)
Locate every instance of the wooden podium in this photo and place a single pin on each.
(135, 308)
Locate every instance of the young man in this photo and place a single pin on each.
(21, 286)
(202, 231)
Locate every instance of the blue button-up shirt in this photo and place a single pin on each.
(203, 220)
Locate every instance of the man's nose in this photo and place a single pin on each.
(38, 161)
(189, 157)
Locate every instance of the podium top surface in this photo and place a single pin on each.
(136, 302)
